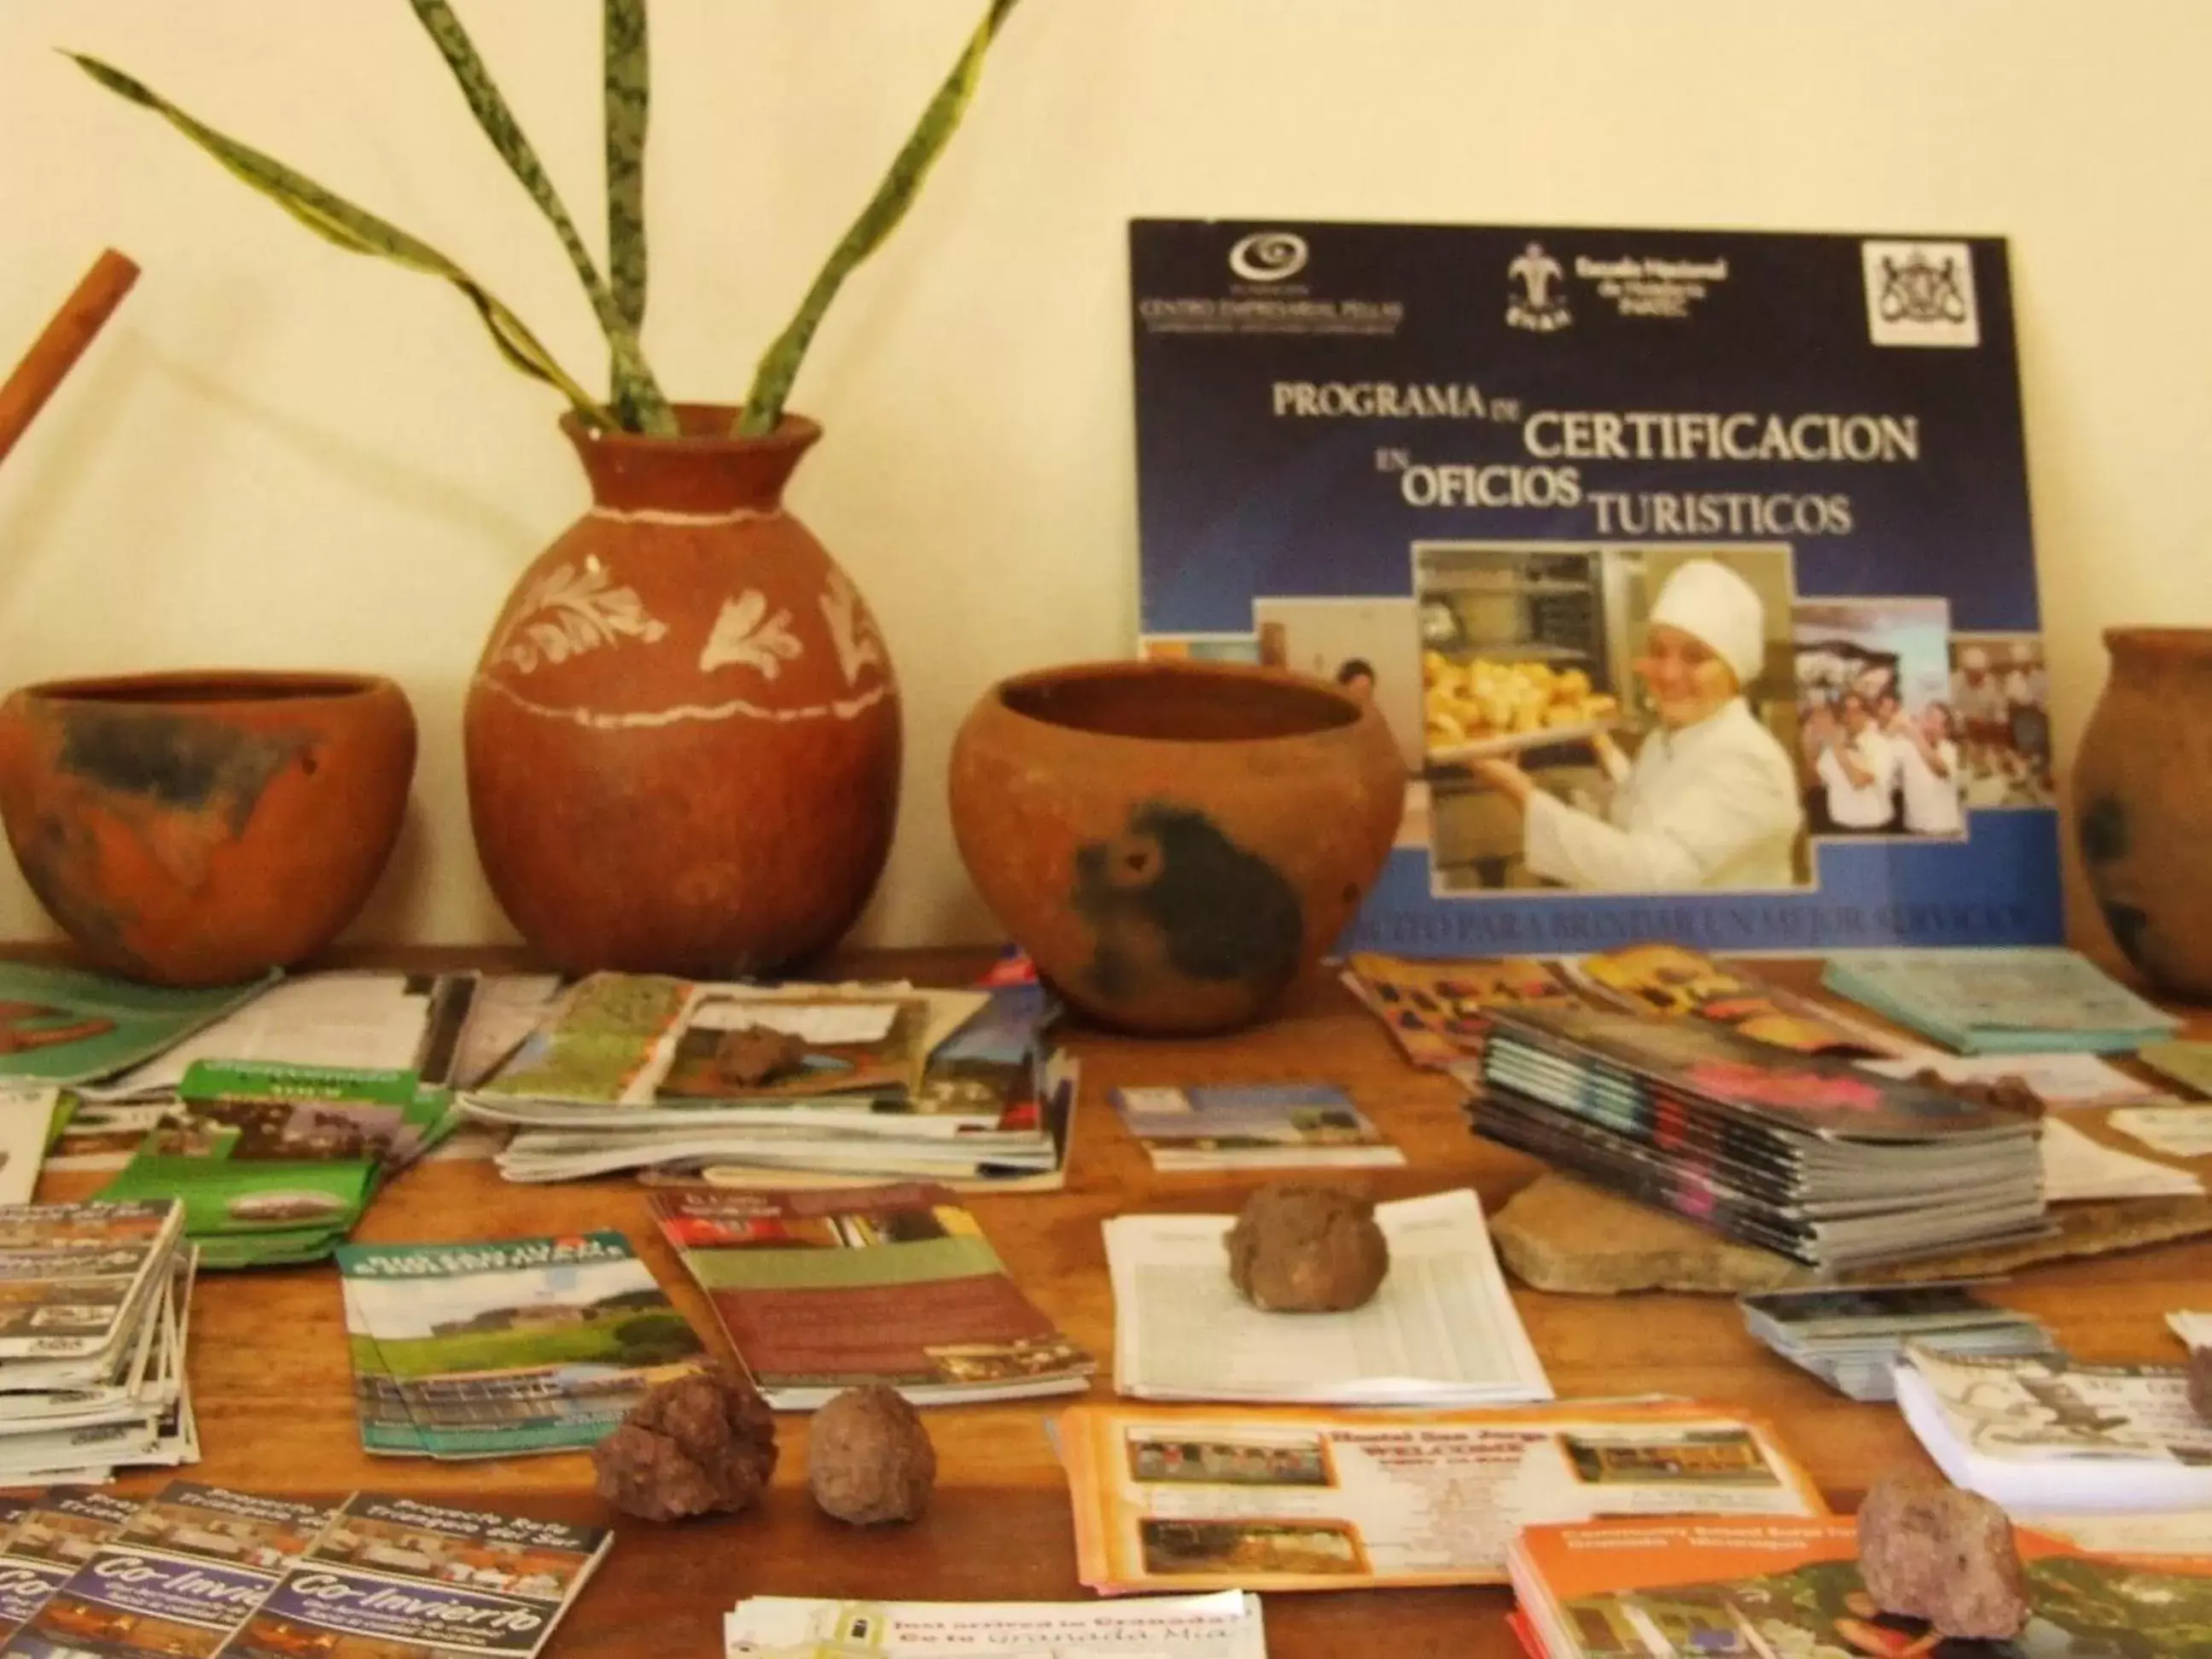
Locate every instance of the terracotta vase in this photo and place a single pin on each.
(2143, 804)
(199, 829)
(1174, 843)
(683, 737)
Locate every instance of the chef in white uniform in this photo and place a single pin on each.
(1710, 800)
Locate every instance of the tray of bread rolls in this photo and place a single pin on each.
(1499, 706)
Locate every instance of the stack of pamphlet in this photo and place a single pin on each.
(638, 1071)
(276, 1162)
(820, 1291)
(1174, 1498)
(519, 1345)
(1257, 1126)
(1791, 1590)
(1671, 982)
(94, 1301)
(1437, 1012)
(1441, 1331)
(44, 1536)
(1851, 1340)
(2026, 1000)
(30, 1114)
(2049, 1433)
(1803, 1154)
(1225, 1625)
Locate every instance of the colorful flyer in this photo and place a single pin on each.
(1690, 570)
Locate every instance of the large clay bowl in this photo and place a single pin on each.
(1174, 843)
(200, 828)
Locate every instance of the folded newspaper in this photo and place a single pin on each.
(1441, 1331)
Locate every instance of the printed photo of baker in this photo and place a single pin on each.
(2002, 695)
(1878, 750)
(1610, 719)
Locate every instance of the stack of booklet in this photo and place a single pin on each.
(822, 1292)
(1437, 1012)
(1441, 1331)
(2026, 1000)
(2048, 1433)
(275, 1163)
(1785, 1588)
(94, 1322)
(1803, 1154)
(1673, 981)
(1257, 1126)
(505, 1347)
(1225, 1625)
(1852, 1339)
(206, 1571)
(753, 1084)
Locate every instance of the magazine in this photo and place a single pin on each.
(1655, 1589)
(1225, 1625)
(410, 1579)
(176, 1578)
(527, 1344)
(1254, 1126)
(823, 1291)
(1442, 1330)
(1675, 982)
(1437, 1012)
(66, 1026)
(1183, 1499)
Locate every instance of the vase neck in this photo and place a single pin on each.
(706, 470)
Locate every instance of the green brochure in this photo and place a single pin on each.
(63, 1025)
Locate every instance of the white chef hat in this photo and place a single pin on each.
(1973, 657)
(1707, 600)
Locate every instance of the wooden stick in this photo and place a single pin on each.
(55, 350)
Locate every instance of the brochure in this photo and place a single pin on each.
(1225, 1625)
(2188, 1063)
(26, 1122)
(1256, 1126)
(2066, 1081)
(1851, 1340)
(2012, 1001)
(1437, 1012)
(528, 1345)
(179, 1577)
(399, 1577)
(45, 1538)
(1453, 469)
(2045, 1432)
(62, 1025)
(506, 1009)
(2076, 1169)
(1676, 983)
(1442, 1330)
(1615, 1588)
(2175, 1131)
(74, 1280)
(104, 1134)
(822, 1292)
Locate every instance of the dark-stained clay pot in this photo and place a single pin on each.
(1174, 843)
(683, 738)
(200, 828)
(2143, 804)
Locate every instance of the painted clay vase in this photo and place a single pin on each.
(1174, 843)
(683, 737)
(200, 828)
(2143, 804)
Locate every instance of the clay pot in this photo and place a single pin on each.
(683, 738)
(200, 828)
(2143, 804)
(1174, 843)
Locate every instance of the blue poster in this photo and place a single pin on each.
(1691, 570)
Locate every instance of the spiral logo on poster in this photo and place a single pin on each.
(1268, 256)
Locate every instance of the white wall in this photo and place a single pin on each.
(279, 455)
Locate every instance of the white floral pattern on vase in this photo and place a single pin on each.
(746, 634)
(570, 611)
(852, 630)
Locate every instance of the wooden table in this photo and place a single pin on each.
(274, 1393)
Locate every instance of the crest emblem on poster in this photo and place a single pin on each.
(1538, 300)
(1921, 294)
(1270, 256)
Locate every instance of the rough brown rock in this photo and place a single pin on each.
(2200, 1382)
(1301, 1249)
(704, 1443)
(2009, 1093)
(868, 1457)
(1930, 1551)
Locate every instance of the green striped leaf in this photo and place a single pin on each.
(355, 229)
(637, 396)
(779, 365)
(628, 73)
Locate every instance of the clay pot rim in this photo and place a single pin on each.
(706, 432)
(211, 688)
(1303, 687)
(2191, 643)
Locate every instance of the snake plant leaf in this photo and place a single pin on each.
(635, 388)
(779, 365)
(629, 104)
(355, 229)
